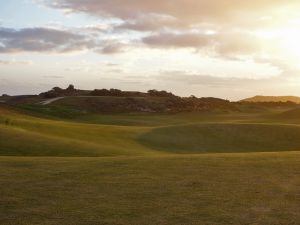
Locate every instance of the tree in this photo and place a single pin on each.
(156, 93)
(57, 89)
(115, 92)
(70, 87)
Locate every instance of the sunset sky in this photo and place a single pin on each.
(230, 49)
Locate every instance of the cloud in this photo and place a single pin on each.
(150, 23)
(41, 40)
(53, 77)
(177, 40)
(112, 64)
(15, 62)
(112, 48)
(119, 71)
(49, 40)
(209, 80)
(190, 11)
(229, 44)
(171, 23)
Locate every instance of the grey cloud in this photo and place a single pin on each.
(184, 16)
(53, 40)
(112, 48)
(230, 44)
(177, 40)
(188, 11)
(236, 43)
(151, 23)
(40, 40)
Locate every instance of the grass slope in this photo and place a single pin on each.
(293, 114)
(220, 137)
(25, 135)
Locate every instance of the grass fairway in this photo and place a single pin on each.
(257, 188)
(189, 168)
(218, 137)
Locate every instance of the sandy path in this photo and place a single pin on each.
(49, 101)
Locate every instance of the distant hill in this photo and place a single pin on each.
(69, 101)
(77, 105)
(260, 98)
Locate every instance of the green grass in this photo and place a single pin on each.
(218, 137)
(207, 189)
(143, 134)
(53, 142)
(67, 113)
(26, 135)
(53, 111)
(289, 115)
(125, 169)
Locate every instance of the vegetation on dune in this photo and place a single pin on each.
(71, 103)
(117, 101)
(265, 99)
(59, 92)
(149, 104)
(71, 91)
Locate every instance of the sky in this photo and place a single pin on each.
(229, 49)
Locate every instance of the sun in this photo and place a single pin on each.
(291, 42)
(282, 43)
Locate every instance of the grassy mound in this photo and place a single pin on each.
(81, 141)
(25, 135)
(293, 114)
(223, 138)
(20, 142)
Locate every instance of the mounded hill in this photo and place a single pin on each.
(293, 114)
(26, 135)
(71, 102)
(223, 138)
(261, 98)
(81, 106)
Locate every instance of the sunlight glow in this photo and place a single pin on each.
(283, 42)
(290, 42)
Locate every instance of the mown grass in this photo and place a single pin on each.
(207, 189)
(124, 169)
(26, 135)
(141, 134)
(226, 137)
